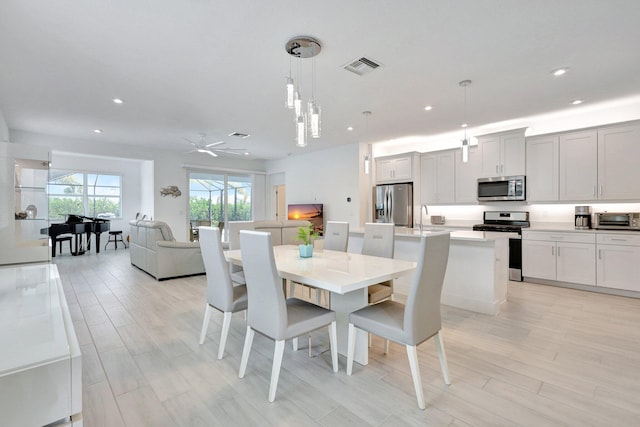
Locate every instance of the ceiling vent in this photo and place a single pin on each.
(361, 66)
(239, 135)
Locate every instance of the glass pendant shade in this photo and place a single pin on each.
(297, 104)
(301, 131)
(314, 119)
(290, 91)
(465, 150)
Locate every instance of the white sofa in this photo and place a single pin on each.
(282, 232)
(154, 250)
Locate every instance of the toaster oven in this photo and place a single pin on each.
(617, 221)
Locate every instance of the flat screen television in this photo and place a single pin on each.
(310, 212)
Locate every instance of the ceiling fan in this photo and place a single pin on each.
(211, 148)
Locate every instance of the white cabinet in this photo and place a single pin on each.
(618, 168)
(600, 164)
(566, 257)
(618, 261)
(438, 177)
(578, 165)
(542, 168)
(394, 168)
(503, 154)
(24, 174)
(466, 176)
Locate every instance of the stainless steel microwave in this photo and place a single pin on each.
(501, 188)
(617, 220)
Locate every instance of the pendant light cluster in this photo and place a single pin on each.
(307, 121)
(465, 141)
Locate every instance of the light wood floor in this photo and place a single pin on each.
(553, 356)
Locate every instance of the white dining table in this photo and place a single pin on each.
(346, 275)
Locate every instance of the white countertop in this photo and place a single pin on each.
(570, 228)
(32, 328)
(459, 235)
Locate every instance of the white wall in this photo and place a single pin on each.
(328, 177)
(4, 130)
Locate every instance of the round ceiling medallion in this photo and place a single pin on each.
(303, 47)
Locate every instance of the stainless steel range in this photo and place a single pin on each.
(508, 222)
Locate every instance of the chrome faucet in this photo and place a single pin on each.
(426, 212)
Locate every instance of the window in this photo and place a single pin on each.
(84, 193)
(217, 198)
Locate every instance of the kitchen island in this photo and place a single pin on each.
(477, 272)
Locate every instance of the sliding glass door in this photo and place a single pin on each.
(217, 198)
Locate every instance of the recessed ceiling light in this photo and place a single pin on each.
(246, 153)
(464, 125)
(350, 128)
(428, 108)
(97, 130)
(118, 101)
(560, 72)
(577, 102)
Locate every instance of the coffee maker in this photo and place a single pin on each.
(583, 217)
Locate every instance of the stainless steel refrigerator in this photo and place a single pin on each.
(393, 203)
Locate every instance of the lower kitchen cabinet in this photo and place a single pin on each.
(618, 261)
(565, 257)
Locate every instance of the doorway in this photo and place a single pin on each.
(280, 202)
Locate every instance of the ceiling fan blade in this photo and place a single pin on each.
(211, 153)
(235, 151)
(214, 144)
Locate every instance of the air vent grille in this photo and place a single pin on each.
(361, 66)
(239, 135)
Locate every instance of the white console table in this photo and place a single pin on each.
(40, 361)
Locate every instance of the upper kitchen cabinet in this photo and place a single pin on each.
(600, 164)
(578, 170)
(503, 154)
(24, 213)
(437, 172)
(542, 168)
(398, 168)
(618, 154)
(466, 176)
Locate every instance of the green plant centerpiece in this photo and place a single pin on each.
(306, 235)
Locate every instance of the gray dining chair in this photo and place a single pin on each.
(269, 313)
(336, 238)
(222, 295)
(379, 240)
(419, 319)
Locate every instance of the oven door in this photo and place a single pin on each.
(515, 260)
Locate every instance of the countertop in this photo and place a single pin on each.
(459, 235)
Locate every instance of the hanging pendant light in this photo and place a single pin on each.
(301, 131)
(465, 141)
(310, 121)
(290, 88)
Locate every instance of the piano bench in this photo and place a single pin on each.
(64, 238)
(115, 237)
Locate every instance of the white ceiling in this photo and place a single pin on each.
(189, 66)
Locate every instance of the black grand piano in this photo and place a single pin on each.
(78, 225)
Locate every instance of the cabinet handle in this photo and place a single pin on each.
(558, 251)
(553, 251)
(594, 190)
(619, 240)
(501, 168)
(497, 169)
(601, 189)
(599, 253)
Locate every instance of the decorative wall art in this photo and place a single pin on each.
(171, 190)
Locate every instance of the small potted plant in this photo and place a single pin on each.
(306, 236)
